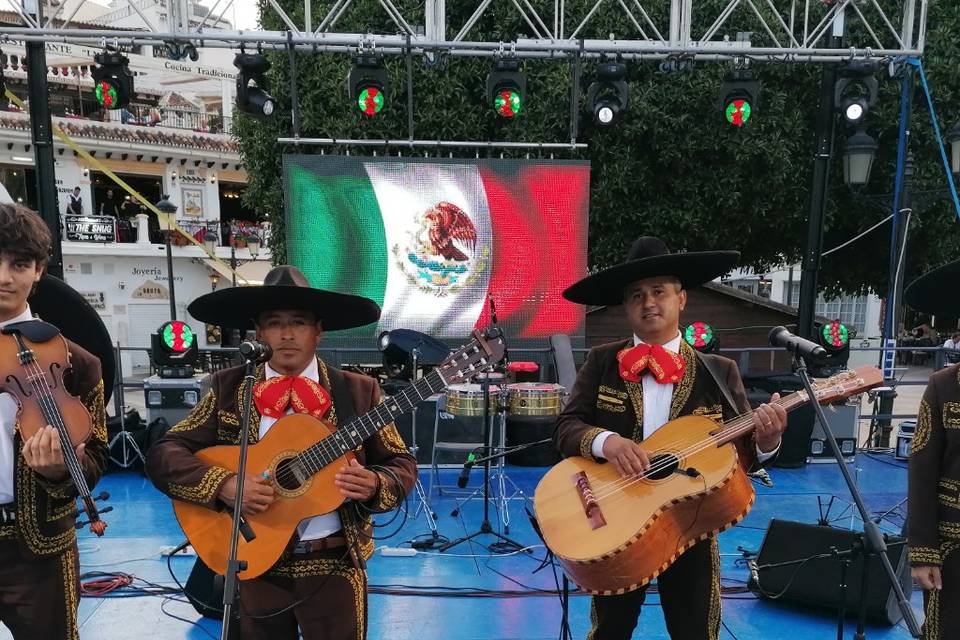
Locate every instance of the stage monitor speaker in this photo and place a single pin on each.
(204, 589)
(817, 581)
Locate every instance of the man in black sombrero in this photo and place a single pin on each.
(39, 562)
(628, 389)
(319, 585)
(933, 486)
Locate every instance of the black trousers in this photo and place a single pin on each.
(942, 608)
(321, 593)
(38, 597)
(689, 596)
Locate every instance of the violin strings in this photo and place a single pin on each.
(52, 413)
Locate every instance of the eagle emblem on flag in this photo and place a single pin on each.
(442, 256)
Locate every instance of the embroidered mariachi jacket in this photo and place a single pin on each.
(174, 469)
(603, 401)
(933, 487)
(46, 511)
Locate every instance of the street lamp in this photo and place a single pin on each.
(858, 154)
(169, 210)
(214, 280)
(953, 137)
(210, 242)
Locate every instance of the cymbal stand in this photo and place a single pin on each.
(129, 450)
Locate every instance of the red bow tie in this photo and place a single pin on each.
(667, 367)
(275, 395)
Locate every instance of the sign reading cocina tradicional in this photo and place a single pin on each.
(91, 228)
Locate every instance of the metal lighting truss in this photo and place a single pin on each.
(794, 31)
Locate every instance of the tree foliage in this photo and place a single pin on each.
(672, 167)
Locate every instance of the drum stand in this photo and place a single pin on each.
(504, 544)
(432, 539)
(499, 479)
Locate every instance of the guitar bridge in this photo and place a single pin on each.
(589, 501)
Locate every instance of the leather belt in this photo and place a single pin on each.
(8, 513)
(319, 544)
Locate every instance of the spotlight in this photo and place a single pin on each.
(855, 91)
(368, 85)
(701, 337)
(254, 99)
(739, 96)
(506, 86)
(608, 95)
(174, 349)
(112, 80)
(835, 338)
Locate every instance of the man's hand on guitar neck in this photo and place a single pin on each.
(257, 494)
(625, 455)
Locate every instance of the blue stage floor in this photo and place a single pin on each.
(142, 522)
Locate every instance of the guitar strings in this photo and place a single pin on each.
(731, 430)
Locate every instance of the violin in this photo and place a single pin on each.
(33, 360)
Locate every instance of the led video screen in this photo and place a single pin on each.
(432, 240)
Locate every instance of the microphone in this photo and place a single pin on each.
(493, 309)
(801, 347)
(251, 350)
(465, 474)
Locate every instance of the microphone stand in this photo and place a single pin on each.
(435, 538)
(872, 540)
(231, 587)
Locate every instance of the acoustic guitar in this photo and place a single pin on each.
(300, 456)
(615, 534)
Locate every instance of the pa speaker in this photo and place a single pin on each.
(816, 580)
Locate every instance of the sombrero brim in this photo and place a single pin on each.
(238, 307)
(59, 304)
(693, 268)
(935, 291)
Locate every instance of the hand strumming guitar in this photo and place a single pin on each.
(257, 494)
(625, 455)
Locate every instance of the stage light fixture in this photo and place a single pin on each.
(855, 91)
(112, 80)
(174, 349)
(608, 95)
(368, 85)
(253, 98)
(506, 86)
(701, 337)
(834, 336)
(739, 97)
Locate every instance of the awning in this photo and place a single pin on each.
(253, 271)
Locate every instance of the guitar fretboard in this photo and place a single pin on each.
(349, 436)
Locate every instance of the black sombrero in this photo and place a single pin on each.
(649, 257)
(935, 291)
(59, 304)
(284, 287)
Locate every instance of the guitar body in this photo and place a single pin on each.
(209, 531)
(641, 527)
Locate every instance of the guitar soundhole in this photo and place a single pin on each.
(662, 466)
(288, 474)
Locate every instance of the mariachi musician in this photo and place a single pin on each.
(319, 585)
(933, 486)
(39, 577)
(628, 389)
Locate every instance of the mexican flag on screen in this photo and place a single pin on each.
(431, 241)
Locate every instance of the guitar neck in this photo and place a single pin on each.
(351, 435)
(743, 424)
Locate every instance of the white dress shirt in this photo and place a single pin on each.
(8, 423)
(317, 526)
(657, 398)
